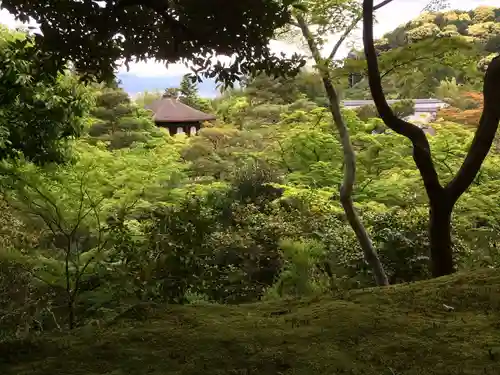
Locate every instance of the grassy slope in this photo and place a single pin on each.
(399, 330)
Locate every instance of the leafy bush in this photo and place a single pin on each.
(302, 274)
(402, 243)
(213, 247)
(24, 303)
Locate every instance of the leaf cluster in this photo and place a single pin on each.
(96, 36)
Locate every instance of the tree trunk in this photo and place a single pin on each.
(441, 199)
(347, 187)
(71, 314)
(441, 247)
(364, 240)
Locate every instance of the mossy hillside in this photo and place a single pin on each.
(403, 329)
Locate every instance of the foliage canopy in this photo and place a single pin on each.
(39, 111)
(95, 36)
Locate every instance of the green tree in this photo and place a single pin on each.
(111, 105)
(403, 108)
(39, 111)
(417, 72)
(119, 122)
(188, 89)
(314, 21)
(329, 18)
(188, 94)
(145, 98)
(442, 199)
(218, 152)
(278, 90)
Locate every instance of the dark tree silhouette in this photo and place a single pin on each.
(95, 35)
(442, 199)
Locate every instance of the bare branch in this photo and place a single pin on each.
(101, 244)
(381, 4)
(343, 37)
(351, 27)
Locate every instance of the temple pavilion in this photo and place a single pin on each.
(176, 116)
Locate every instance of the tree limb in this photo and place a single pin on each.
(404, 63)
(343, 37)
(350, 28)
(421, 147)
(485, 133)
(349, 160)
(381, 4)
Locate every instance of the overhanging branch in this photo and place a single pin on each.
(484, 136)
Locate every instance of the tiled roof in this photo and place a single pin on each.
(169, 109)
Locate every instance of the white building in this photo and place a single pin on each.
(425, 109)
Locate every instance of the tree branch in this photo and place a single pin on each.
(343, 37)
(405, 63)
(399, 65)
(350, 28)
(421, 148)
(381, 4)
(283, 159)
(485, 133)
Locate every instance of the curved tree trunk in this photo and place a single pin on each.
(364, 239)
(442, 199)
(346, 189)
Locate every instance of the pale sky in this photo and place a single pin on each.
(389, 17)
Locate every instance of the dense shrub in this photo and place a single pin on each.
(303, 271)
(402, 242)
(214, 247)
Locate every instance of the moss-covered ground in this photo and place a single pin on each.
(403, 329)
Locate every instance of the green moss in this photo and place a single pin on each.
(403, 329)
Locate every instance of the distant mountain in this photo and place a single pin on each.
(134, 84)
